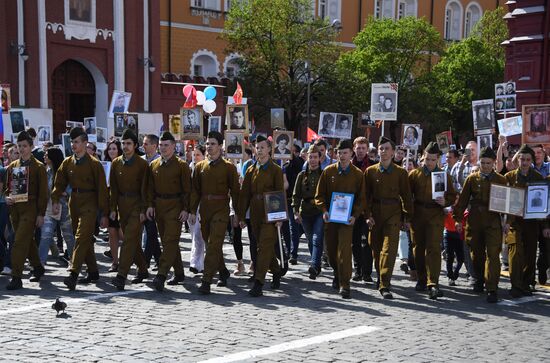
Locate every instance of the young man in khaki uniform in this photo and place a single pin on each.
(427, 225)
(26, 216)
(169, 187)
(262, 177)
(128, 196)
(213, 180)
(523, 233)
(483, 228)
(389, 207)
(342, 177)
(89, 195)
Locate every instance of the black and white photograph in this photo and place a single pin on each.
(384, 101)
(484, 141)
(484, 116)
(341, 205)
(282, 144)
(17, 121)
(507, 200)
(442, 140)
(536, 124)
(215, 124)
(237, 117)
(275, 207)
(327, 123)
(107, 169)
(191, 123)
(66, 142)
(174, 126)
(124, 121)
(536, 204)
(365, 120)
(510, 126)
(90, 125)
(278, 118)
(411, 136)
(234, 144)
(516, 203)
(439, 184)
(119, 102)
(19, 184)
(101, 135)
(343, 126)
(43, 134)
(72, 124)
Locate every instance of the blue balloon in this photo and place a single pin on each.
(210, 93)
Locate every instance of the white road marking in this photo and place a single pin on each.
(294, 344)
(72, 301)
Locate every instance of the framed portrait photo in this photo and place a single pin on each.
(365, 120)
(174, 126)
(278, 118)
(508, 200)
(442, 140)
(483, 112)
(439, 184)
(191, 123)
(19, 184)
(215, 124)
(282, 144)
(119, 102)
(66, 142)
(536, 124)
(43, 134)
(484, 141)
(123, 121)
(236, 117)
(17, 122)
(327, 124)
(275, 207)
(343, 126)
(341, 205)
(234, 144)
(383, 104)
(411, 136)
(6, 97)
(536, 200)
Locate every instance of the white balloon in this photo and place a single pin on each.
(209, 106)
(201, 98)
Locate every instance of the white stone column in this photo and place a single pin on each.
(20, 41)
(146, 75)
(42, 54)
(118, 39)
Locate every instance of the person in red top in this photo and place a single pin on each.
(454, 246)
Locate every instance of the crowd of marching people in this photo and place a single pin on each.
(152, 194)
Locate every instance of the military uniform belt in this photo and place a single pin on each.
(129, 194)
(81, 190)
(215, 197)
(427, 205)
(168, 196)
(386, 201)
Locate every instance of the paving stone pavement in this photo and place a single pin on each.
(178, 325)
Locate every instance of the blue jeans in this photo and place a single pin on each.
(313, 228)
(291, 232)
(49, 229)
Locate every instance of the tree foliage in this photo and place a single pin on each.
(276, 38)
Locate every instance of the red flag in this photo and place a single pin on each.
(191, 101)
(311, 135)
(238, 95)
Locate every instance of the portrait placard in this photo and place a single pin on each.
(343, 126)
(365, 120)
(341, 205)
(484, 141)
(6, 97)
(234, 144)
(19, 184)
(43, 134)
(17, 121)
(101, 136)
(90, 126)
(442, 140)
(278, 118)
(72, 124)
(484, 116)
(174, 126)
(383, 104)
(327, 123)
(536, 124)
(66, 141)
(282, 144)
(236, 117)
(191, 123)
(215, 124)
(119, 102)
(439, 184)
(508, 200)
(510, 126)
(505, 97)
(275, 207)
(124, 121)
(411, 136)
(536, 203)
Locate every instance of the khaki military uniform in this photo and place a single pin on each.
(338, 237)
(483, 231)
(523, 236)
(388, 200)
(89, 194)
(260, 179)
(128, 197)
(211, 183)
(427, 225)
(169, 188)
(23, 214)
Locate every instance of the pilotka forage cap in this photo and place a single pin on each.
(130, 134)
(487, 152)
(433, 148)
(76, 132)
(384, 139)
(526, 149)
(345, 144)
(167, 136)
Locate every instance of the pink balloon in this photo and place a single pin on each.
(187, 90)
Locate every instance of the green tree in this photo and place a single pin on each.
(400, 52)
(276, 39)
